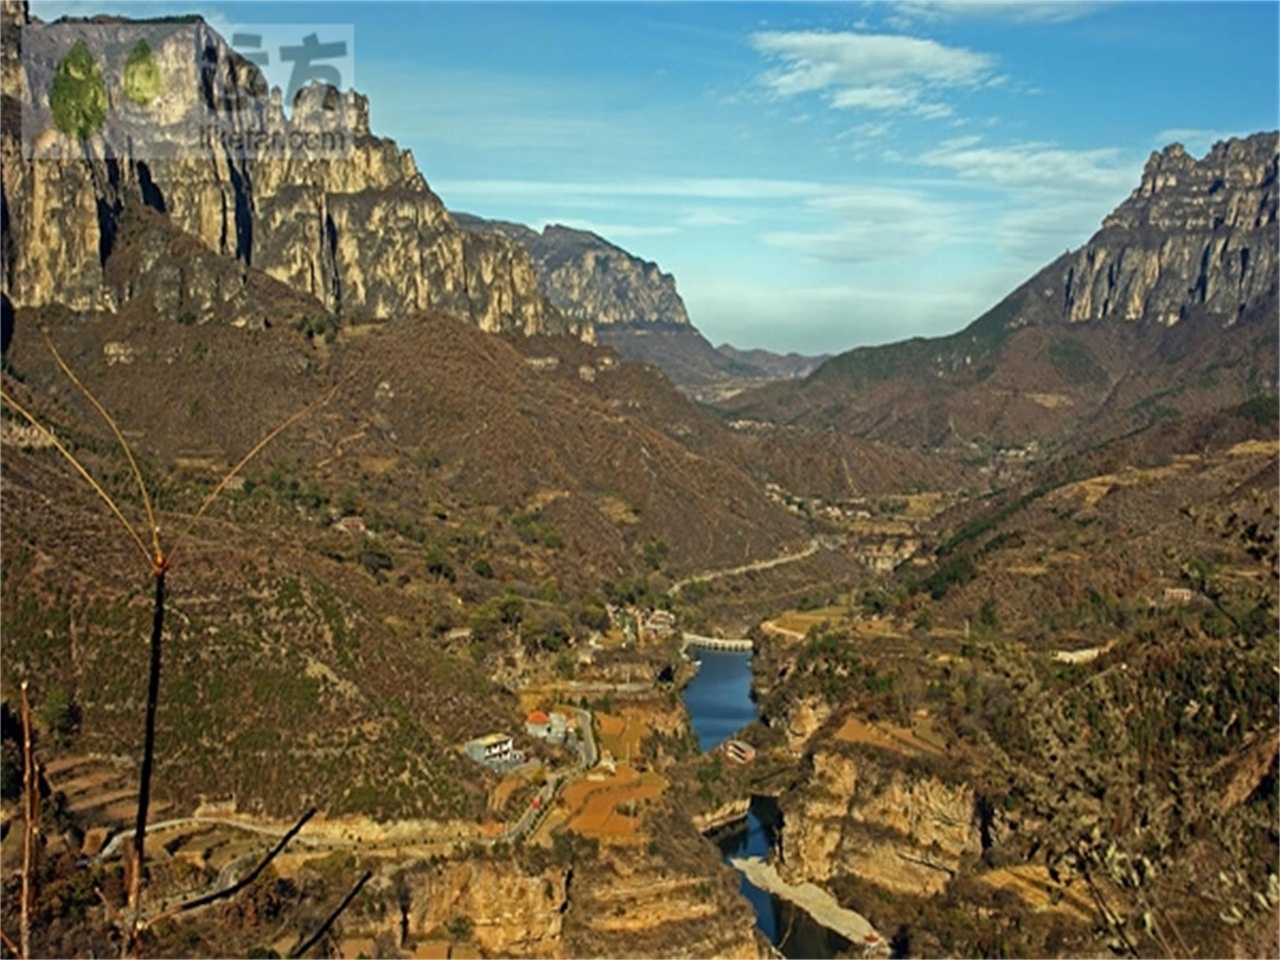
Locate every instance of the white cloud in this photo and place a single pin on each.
(1040, 166)
(709, 218)
(1017, 11)
(874, 224)
(591, 192)
(866, 71)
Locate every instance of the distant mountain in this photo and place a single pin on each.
(635, 309)
(1170, 308)
(590, 278)
(791, 366)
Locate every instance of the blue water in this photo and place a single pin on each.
(719, 697)
(720, 703)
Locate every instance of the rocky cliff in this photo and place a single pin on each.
(856, 817)
(312, 199)
(590, 278)
(1194, 235)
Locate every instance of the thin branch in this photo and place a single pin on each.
(79, 469)
(115, 429)
(30, 816)
(253, 452)
(324, 927)
(148, 761)
(12, 947)
(240, 884)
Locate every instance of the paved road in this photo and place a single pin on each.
(808, 551)
(587, 758)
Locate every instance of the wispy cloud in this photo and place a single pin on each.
(1016, 11)
(873, 224)
(1041, 166)
(868, 71)
(710, 218)
(709, 188)
(1041, 197)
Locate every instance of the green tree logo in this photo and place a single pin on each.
(141, 75)
(79, 97)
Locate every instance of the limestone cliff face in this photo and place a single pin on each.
(906, 833)
(1194, 235)
(354, 224)
(514, 914)
(589, 278)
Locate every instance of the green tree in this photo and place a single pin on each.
(60, 716)
(78, 97)
(987, 615)
(460, 928)
(141, 75)
(655, 552)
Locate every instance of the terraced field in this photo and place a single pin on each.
(596, 806)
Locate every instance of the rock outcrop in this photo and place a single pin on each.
(589, 278)
(313, 200)
(854, 817)
(512, 913)
(1196, 234)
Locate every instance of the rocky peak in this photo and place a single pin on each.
(349, 220)
(1196, 236)
(592, 279)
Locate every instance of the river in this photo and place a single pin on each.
(720, 703)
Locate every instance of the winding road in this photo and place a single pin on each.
(808, 551)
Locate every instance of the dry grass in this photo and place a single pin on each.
(800, 621)
(510, 784)
(887, 736)
(618, 511)
(593, 804)
(1255, 448)
(622, 734)
(1033, 886)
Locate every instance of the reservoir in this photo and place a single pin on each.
(720, 703)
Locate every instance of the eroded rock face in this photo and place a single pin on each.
(589, 278)
(1194, 234)
(513, 914)
(905, 833)
(357, 228)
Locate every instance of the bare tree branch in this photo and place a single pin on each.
(236, 887)
(115, 429)
(324, 927)
(31, 824)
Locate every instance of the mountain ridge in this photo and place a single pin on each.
(1138, 315)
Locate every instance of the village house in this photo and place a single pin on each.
(537, 724)
(493, 750)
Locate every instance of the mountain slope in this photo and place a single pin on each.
(635, 309)
(1170, 307)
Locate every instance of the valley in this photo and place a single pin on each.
(424, 584)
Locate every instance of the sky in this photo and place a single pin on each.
(816, 176)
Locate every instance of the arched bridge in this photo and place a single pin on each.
(716, 643)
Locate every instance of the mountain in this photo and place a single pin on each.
(590, 278)
(1169, 308)
(790, 366)
(355, 227)
(635, 309)
(475, 457)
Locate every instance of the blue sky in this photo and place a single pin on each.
(816, 176)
